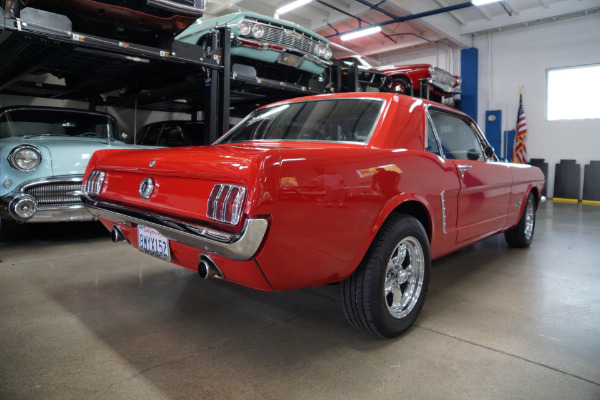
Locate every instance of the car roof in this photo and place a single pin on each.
(398, 98)
(49, 108)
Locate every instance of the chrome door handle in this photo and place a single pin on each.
(463, 168)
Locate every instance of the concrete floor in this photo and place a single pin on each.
(83, 318)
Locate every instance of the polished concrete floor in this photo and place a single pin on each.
(83, 318)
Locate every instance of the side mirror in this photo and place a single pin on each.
(488, 152)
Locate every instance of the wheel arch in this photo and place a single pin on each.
(415, 209)
(413, 205)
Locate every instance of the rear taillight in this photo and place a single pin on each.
(94, 183)
(226, 203)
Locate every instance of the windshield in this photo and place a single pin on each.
(338, 120)
(363, 61)
(28, 122)
(370, 62)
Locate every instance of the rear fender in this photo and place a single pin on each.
(396, 205)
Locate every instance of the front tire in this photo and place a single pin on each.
(11, 230)
(385, 294)
(522, 234)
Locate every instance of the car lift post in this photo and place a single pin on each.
(218, 83)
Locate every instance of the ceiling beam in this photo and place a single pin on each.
(444, 25)
(531, 15)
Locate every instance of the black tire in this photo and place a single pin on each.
(522, 234)
(11, 230)
(11, 8)
(402, 85)
(386, 298)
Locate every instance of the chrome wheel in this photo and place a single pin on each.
(529, 219)
(385, 294)
(404, 277)
(522, 234)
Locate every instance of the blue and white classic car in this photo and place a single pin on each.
(43, 154)
(267, 48)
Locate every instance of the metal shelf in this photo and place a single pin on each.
(105, 72)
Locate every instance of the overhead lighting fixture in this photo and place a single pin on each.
(483, 2)
(292, 6)
(361, 33)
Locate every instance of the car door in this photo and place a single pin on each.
(485, 185)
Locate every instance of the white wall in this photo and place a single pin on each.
(520, 57)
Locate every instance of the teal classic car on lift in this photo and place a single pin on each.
(43, 154)
(267, 48)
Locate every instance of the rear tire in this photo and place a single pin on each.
(385, 294)
(522, 234)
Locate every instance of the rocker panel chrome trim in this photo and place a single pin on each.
(443, 211)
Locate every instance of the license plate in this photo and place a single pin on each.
(153, 243)
(290, 59)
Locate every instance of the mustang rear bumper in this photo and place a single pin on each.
(240, 246)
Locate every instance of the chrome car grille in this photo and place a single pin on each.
(55, 194)
(289, 38)
(444, 77)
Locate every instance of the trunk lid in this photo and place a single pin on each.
(184, 178)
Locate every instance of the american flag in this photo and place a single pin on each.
(519, 154)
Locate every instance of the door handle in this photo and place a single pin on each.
(463, 168)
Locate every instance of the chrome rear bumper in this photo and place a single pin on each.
(240, 246)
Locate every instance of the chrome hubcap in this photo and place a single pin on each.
(529, 220)
(404, 276)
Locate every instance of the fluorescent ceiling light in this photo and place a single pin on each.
(483, 2)
(292, 6)
(361, 33)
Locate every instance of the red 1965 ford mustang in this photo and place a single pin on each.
(358, 188)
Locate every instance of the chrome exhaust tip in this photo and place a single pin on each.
(117, 235)
(208, 269)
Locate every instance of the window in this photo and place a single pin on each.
(459, 141)
(432, 145)
(572, 93)
(343, 120)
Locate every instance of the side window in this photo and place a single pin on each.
(432, 145)
(459, 141)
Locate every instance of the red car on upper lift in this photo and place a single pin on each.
(407, 78)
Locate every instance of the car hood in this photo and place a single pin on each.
(60, 155)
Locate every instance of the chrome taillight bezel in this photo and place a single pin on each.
(226, 203)
(93, 184)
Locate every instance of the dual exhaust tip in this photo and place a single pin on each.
(206, 266)
(208, 269)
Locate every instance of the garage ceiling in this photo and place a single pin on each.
(453, 22)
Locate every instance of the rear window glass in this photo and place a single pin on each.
(340, 120)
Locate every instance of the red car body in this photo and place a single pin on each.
(313, 206)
